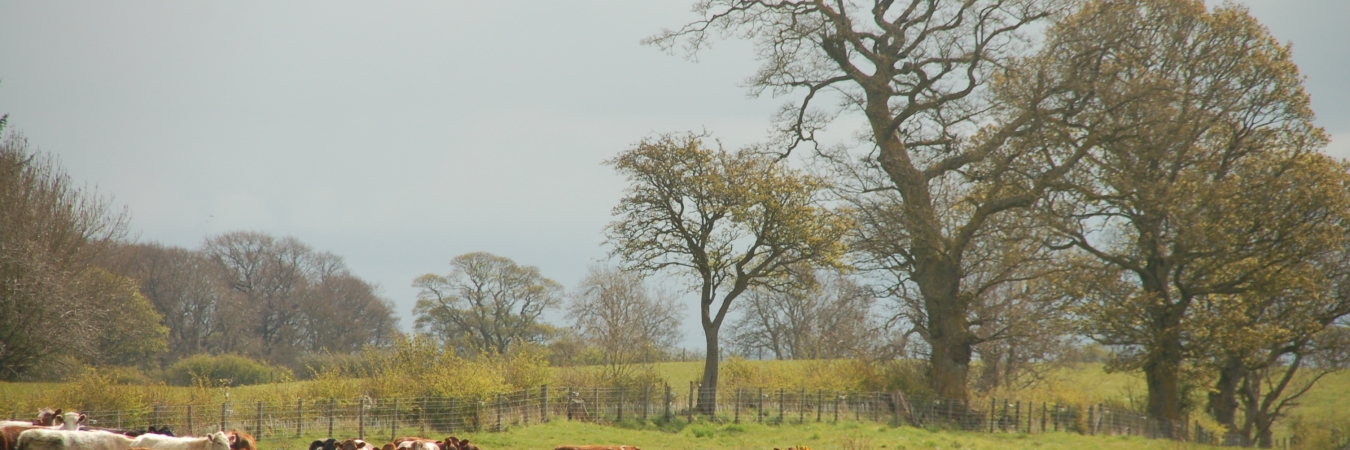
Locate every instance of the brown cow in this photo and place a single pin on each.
(240, 440)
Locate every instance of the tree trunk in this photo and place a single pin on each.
(707, 392)
(948, 327)
(1223, 402)
(1162, 369)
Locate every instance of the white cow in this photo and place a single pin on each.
(419, 444)
(213, 441)
(43, 439)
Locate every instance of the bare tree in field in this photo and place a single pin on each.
(266, 274)
(486, 303)
(830, 318)
(630, 322)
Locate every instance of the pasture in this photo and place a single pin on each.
(1080, 384)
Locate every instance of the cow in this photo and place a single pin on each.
(164, 430)
(240, 440)
(45, 418)
(48, 439)
(356, 444)
(330, 444)
(415, 443)
(452, 443)
(213, 441)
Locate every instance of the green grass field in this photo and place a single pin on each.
(706, 435)
(1077, 384)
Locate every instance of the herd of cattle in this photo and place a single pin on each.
(55, 430)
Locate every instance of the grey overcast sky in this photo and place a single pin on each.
(401, 134)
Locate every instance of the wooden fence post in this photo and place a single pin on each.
(738, 406)
(993, 408)
(596, 416)
(222, 416)
(422, 418)
(1017, 417)
(257, 426)
(820, 401)
(393, 421)
(543, 405)
(619, 407)
(525, 407)
(691, 401)
(780, 405)
(154, 416)
(667, 402)
(477, 419)
(499, 412)
(299, 416)
(646, 401)
(361, 420)
(760, 409)
(189, 421)
(332, 411)
(801, 407)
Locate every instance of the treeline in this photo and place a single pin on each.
(74, 292)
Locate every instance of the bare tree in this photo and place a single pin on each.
(486, 303)
(830, 318)
(630, 322)
(266, 273)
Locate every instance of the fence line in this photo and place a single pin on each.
(378, 419)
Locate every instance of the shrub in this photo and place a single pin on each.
(223, 370)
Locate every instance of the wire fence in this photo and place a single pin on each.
(376, 419)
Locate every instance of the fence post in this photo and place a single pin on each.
(222, 416)
(1017, 417)
(361, 420)
(596, 417)
(1043, 414)
(525, 407)
(760, 410)
(299, 416)
(477, 419)
(543, 405)
(646, 401)
(422, 418)
(690, 412)
(332, 411)
(257, 427)
(154, 416)
(393, 422)
(667, 402)
(1091, 430)
(993, 408)
(738, 406)
(619, 407)
(801, 407)
(119, 418)
(499, 412)
(780, 405)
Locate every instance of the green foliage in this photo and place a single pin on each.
(224, 370)
(133, 332)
